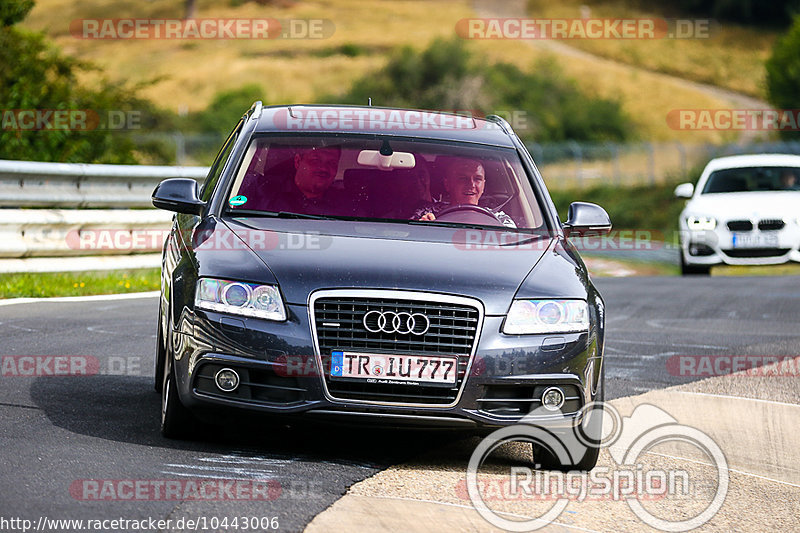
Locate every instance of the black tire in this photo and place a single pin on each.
(694, 270)
(160, 356)
(546, 460)
(177, 422)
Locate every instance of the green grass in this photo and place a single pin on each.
(640, 268)
(788, 269)
(26, 284)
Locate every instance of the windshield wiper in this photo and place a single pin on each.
(451, 224)
(278, 214)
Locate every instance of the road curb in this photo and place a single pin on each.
(748, 422)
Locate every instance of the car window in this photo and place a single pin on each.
(219, 164)
(753, 179)
(333, 175)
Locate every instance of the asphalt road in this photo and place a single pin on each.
(56, 432)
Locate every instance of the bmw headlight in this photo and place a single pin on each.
(701, 223)
(236, 297)
(547, 316)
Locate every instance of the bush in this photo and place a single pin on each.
(783, 72)
(36, 76)
(447, 76)
(224, 111)
(765, 13)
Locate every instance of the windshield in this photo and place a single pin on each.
(386, 178)
(753, 179)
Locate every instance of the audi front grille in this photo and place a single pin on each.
(394, 325)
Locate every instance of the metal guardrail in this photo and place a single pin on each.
(36, 184)
(43, 208)
(65, 232)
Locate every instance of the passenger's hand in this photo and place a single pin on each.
(428, 216)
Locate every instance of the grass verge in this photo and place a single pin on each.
(788, 269)
(601, 266)
(47, 284)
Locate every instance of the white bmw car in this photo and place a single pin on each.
(745, 210)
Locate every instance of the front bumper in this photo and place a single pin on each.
(722, 246)
(280, 374)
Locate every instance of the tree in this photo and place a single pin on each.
(38, 80)
(783, 71)
(546, 106)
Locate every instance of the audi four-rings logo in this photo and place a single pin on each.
(391, 322)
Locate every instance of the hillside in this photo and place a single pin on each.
(186, 74)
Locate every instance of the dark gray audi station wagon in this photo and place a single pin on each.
(373, 265)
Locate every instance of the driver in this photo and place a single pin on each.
(464, 182)
(788, 180)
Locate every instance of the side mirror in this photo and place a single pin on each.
(586, 219)
(178, 195)
(684, 190)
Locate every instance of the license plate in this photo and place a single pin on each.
(388, 369)
(754, 240)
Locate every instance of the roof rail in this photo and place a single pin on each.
(256, 109)
(503, 123)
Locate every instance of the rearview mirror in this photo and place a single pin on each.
(178, 195)
(586, 219)
(374, 158)
(684, 190)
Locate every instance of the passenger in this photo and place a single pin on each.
(464, 182)
(309, 192)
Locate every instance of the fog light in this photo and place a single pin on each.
(553, 399)
(227, 380)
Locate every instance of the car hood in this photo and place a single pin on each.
(306, 255)
(758, 204)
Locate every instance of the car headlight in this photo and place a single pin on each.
(236, 297)
(547, 316)
(701, 223)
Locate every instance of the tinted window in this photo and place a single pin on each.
(219, 164)
(391, 179)
(753, 179)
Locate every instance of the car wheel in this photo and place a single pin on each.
(546, 460)
(176, 419)
(697, 270)
(158, 367)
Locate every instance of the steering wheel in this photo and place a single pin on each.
(467, 213)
